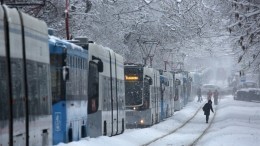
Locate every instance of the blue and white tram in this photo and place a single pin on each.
(167, 94)
(25, 95)
(179, 93)
(106, 99)
(69, 76)
(186, 86)
(190, 89)
(142, 91)
(196, 82)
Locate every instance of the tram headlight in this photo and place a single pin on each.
(142, 121)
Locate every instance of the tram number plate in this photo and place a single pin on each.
(57, 121)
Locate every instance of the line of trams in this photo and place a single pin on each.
(54, 90)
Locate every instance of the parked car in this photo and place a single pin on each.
(248, 94)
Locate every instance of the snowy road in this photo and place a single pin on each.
(237, 123)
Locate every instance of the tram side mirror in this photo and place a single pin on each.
(150, 80)
(100, 66)
(65, 73)
(100, 63)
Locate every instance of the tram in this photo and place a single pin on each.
(179, 92)
(196, 83)
(167, 94)
(69, 80)
(142, 91)
(106, 97)
(25, 101)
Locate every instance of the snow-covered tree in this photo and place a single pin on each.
(245, 27)
(195, 28)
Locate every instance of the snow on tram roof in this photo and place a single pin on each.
(107, 48)
(55, 40)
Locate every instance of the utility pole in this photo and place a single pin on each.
(67, 20)
(148, 52)
(165, 65)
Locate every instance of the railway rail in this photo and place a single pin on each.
(198, 137)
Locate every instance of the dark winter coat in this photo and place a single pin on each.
(207, 107)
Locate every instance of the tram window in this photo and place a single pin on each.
(72, 61)
(133, 92)
(146, 93)
(33, 94)
(68, 61)
(93, 86)
(152, 96)
(82, 63)
(108, 96)
(77, 62)
(114, 92)
(56, 63)
(119, 92)
(43, 88)
(3, 94)
(105, 90)
(17, 88)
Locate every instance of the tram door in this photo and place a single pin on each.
(157, 96)
(4, 88)
(114, 96)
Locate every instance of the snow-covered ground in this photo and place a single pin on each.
(237, 123)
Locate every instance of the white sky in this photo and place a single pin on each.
(237, 123)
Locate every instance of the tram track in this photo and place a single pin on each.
(176, 129)
(194, 142)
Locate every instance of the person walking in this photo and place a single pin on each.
(215, 96)
(209, 95)
(234, 90)
(206, 108)
(199, 94)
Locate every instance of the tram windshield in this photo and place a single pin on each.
(134, 90)
(133, 86)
